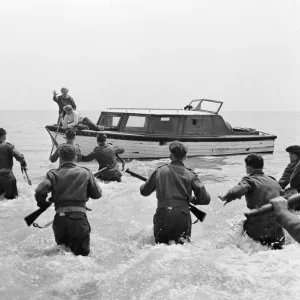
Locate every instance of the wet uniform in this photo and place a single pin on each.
(287, 173)
(8, 183)
(174, 184)
(71, 187)
(63, 101)
(54, 157)
(258, 190)
(106, 154)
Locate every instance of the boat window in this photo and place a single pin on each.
(194, 122)
(137, 123)
(165, 125)
(202, 125)
(109, 121)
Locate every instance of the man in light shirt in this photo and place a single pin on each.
(73, 118)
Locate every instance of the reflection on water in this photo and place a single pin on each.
(220, 263)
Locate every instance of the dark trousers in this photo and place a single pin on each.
(8, 185)
(173, 224)
(73, 230)
(275, 240)
(86, 121)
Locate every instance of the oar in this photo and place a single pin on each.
(267, 208)
(58, 126)
(33, 216)
(25, 175)
(199, 214)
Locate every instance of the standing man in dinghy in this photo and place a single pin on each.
(63, 100)
(8, 182)
(174, 184)
(71, 187)
(106, 154)
(258, 190)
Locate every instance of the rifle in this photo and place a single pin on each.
(33, 216)
(200, 215)
(25, 175)
(267, 208)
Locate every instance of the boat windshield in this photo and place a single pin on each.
(206, 105)
(109, 120)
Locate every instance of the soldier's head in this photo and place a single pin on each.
(177, 151)
(68, 109)
(254, 162)
(64, 91)
(70, 134)
(2, 135)
(67, 153)
(101, 138)
(294, 152)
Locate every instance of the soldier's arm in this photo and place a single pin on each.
(290, 223)
(17, 155)
(295, 177)
(88, 157)
(149, 186)
(55, 98)
(202, 197)
(119, 150)
(285, 178)
(42, 191)
(54, 156)
(243, 187)
(93, 189)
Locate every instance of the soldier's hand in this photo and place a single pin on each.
(54, 92)
(280, 204)
(24, 165)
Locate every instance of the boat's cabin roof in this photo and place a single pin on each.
(195, 107)
(194, 119)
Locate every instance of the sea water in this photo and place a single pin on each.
(125, 263)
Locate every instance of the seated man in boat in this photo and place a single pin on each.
(71, 187)
(294, 154)
(73, 119)
(63, 100)
(289, 221)
(70, 138)
(258, 190)
(8, 182)
(106, 155)
(174, 184)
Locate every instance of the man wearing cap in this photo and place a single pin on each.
(70, 138)
(294, 154)
(63, 100)
(106, 155)
(174, 184)
(73, 119)
(8, 182)
(71, 187)
(258, 189)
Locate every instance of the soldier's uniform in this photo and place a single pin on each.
(106, 154)
(258, 190)
(8, 182)
(287, 173)
(174, 184)
(71, 187)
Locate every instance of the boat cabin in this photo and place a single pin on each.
(196, 119)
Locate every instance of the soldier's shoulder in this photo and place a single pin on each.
(164, 165)
(9, 145)
(84, 168)
(191, 170)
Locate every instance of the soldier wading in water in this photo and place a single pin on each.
(174, 184)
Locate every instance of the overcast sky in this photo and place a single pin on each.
(150, 53)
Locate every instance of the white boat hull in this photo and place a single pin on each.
(135, 149)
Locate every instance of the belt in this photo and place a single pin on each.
(5, 170)
(67, 209)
